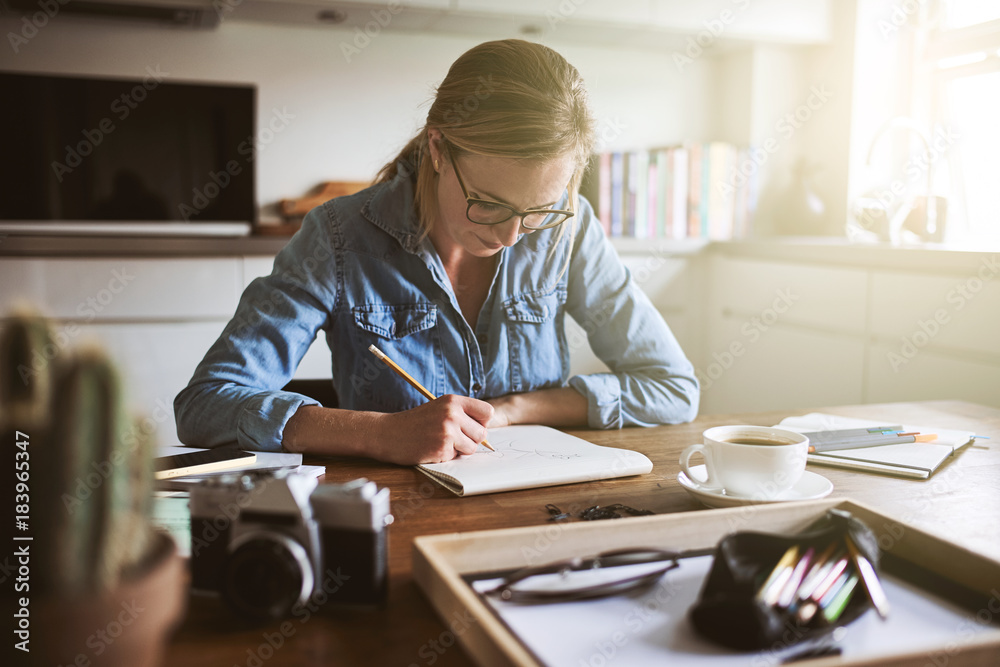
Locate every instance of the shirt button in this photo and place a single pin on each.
(482, 338)
(476, 387)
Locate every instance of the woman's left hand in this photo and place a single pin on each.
(558, 406)
(502, 413)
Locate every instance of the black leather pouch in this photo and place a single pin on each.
(728, 611)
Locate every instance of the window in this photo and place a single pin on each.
(958, 70)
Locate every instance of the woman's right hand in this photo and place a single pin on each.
(433, 432)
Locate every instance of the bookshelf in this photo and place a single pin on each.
(686, 192)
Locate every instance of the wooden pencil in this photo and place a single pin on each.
(416, 385)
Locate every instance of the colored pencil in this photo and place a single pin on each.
(831, 577)
(819, 570)
(772, 587)
(835, 607)
(869, 579)
(416, 385)
(831, 592)
(787, 595)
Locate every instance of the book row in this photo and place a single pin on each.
(695, 190)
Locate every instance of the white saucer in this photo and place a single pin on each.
(810, 487)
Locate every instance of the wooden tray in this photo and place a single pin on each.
(440, 562)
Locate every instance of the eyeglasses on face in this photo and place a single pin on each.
(485, 212)
(532, 585)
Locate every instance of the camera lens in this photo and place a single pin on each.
(266, 576)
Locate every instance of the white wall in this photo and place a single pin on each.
(351, 117)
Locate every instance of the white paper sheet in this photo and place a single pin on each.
(651, 628)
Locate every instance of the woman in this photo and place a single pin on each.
(460, 263)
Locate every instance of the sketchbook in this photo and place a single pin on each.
(916, 460)
(532, 456)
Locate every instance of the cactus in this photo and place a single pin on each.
(91, 486)
(131, 534)
(28, 358)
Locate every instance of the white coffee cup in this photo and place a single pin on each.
(758, 462)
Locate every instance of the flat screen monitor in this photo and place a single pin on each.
(116, 152)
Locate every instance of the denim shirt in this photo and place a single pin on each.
(359, 271)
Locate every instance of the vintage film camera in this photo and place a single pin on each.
(276, 544)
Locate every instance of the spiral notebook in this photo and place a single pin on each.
(917, 460)
(530, 456)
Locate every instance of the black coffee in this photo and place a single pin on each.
(755, 441)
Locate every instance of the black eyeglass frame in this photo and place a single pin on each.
(472, 201)
(506, 591)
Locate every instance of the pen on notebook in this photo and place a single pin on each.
(840, 434)
(416, 385)
(856, 438)
(871, 442)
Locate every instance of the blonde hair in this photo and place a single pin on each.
(508, 98)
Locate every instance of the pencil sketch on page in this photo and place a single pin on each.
(516, 449)
(529, 456)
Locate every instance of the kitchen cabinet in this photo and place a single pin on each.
(768, 326)
(782, 334)
(865, 325)
(155, 317)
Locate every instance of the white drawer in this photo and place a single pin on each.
(582, 359)
(667, 281)
(828, 297)
(22, 281)
(930, 375)
(255, 267)
(136, 289)
(155, 361)
(958, 312)
(783, 368)
(316, 364)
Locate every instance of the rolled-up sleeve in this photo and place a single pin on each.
(651, 380)
(235, 392)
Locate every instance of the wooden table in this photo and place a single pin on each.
(961, 502)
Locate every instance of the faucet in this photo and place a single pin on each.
(928, 226)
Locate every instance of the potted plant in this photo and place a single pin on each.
(103, 586)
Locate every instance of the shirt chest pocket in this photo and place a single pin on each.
(537, 340)
(395, 322)
(407, 334)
